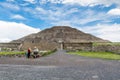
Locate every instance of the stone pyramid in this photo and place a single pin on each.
(49, 38)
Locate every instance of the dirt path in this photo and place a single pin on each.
(59, 66)
(59, 58)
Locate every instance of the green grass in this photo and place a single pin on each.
(12, 53)
(48, 53)
(107, 43)
(102, 55)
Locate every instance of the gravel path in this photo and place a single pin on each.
(59, 66)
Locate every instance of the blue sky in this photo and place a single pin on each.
(22, 17)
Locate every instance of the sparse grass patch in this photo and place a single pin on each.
(107, 43)
(47, 53)
(22, 53)
(103, 55)
(12, 53)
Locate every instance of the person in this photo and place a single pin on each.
(35, 52)
(28, 52)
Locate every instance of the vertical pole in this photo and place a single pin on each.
(61, 46)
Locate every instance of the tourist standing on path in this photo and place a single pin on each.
(35, 52)
(28, 52)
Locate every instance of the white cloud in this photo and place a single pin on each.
(81, 2)
(19, 17)
(41, 10)
(4, 39)
(10, 6)
(12, 30)
(55, 1)
(30, 1)
(106, 31)
(43, 1)
(115, 11)
(62, 23)
(52, 1)
(85, 17)
(86, 2)
(54, 14)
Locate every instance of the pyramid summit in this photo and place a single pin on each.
(51, 38)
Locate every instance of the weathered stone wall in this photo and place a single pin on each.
(14, 46)
(43, 45)
(107, 48)
(78, 46)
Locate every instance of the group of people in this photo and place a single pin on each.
(33, 53)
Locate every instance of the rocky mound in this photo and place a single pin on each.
(52, 36)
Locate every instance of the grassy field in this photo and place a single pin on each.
(102, 55)
(109, 43)
(12, 53)
(23, 53)
(48, 53)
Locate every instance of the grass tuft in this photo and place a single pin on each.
(102, 55)
(48, 53)
(12, 53)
